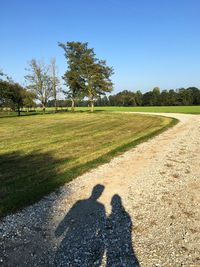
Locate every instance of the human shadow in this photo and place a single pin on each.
(119, 248)
(83, 227)
(87, 235)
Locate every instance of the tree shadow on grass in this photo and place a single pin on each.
(87, 234)
(23, 113)
(26, 178)
(88, 111)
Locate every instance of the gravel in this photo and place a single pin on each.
(141, 209)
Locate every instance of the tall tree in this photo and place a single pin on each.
(138, 98)
(54, 81)
(76, 86)
(28, 100)
(89, 75)
(97, 79)
(72, 77)
(155, 96)
(39, 81)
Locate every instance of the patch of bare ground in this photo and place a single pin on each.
(142, 208)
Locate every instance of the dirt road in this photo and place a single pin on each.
(141, 209)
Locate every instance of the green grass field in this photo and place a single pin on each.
(167, 109)
(40, 153)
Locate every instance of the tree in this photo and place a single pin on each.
(28, 100)
(125, 98)
(39, 81)
(5, 100)
(156, 90)
(163, 98)
(1, 74)
(86, 75)
(155, 96)
(16, 96)
(195, 93)
(97, 77)
(76, 86)
(54, 81)
(172, 98)
(5, 77)
(185, 97)
(148, 99)
(112, 100)
(72, 77)
(138, 98)
(104, 101)
(13, 95)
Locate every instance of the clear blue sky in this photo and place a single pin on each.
(148, 42)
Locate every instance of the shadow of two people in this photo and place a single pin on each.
(88, 234)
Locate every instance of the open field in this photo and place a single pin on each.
(159, 109)
(40, 153)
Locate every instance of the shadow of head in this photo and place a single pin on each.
(97, 191)
(116, 201)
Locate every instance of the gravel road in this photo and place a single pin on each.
(141, 209)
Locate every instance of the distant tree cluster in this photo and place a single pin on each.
(177, 97)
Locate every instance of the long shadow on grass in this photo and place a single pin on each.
(24, 179)
(28, 114)
(87, 234)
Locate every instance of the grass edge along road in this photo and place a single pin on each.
(19, 185)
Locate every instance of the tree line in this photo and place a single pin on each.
(173, 97)
(87, 80)
(86, 77)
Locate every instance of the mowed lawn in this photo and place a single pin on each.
(167, 109)
(40, 153)
(158, 109)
